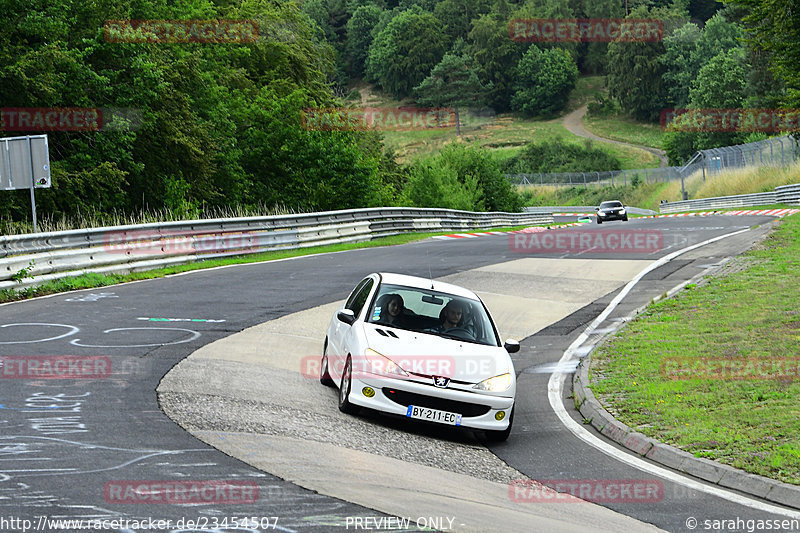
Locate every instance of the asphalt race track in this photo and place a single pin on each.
(85, 448)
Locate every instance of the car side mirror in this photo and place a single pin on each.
(597, 209)
(511, 346)
(347, 316)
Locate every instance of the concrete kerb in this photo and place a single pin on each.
(723, 475)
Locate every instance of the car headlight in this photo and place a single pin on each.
(622, 211)
(495, 384)
(601, 213)
(380, 364)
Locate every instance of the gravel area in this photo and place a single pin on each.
(217, 395)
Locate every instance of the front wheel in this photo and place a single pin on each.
(599, 221)
(502, 435)
(625, 219)
(324, 374)
(344, 389)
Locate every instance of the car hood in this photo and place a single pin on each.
(427, 354)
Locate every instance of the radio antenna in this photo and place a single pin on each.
(430, 273)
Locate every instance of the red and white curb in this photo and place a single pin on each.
(769, 212)
(468, 235)
(533, 229)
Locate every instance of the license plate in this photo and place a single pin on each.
(433, 415)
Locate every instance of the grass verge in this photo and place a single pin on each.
(748, 314)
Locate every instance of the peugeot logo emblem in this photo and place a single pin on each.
(441, 382)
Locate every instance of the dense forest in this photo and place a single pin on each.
(219, 125)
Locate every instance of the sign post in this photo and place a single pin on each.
(25, 164)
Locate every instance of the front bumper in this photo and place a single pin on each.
(482, 408)
(612, 216)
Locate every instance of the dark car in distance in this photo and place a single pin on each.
(611, 210)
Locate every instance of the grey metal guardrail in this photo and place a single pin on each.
(556, 209)
(27, 260)
(786, 194)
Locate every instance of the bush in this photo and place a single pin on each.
(496, 192)
(460, 178)
(560, 156)
(434, 183)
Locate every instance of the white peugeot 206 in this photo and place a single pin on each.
(421, 349)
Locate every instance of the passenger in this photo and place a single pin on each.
(392, 307)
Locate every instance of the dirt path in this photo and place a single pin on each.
(572, 122)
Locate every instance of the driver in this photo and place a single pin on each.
(451, 316)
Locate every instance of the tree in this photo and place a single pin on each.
(307, 169)
(636, 70)
(452, 83)
(457, 15)
(544, 81)
(360, 29)
(721, 84)
(592, 56)
(496, 56)
(405, 51)
(772, 27)
(680, 63)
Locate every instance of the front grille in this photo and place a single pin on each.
(453, 406)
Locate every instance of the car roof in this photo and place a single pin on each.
(426, 283)
(611, 202)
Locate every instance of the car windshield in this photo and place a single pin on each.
(609, 205)
(433, 312)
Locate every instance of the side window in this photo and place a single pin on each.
(356, 302)
(352, 297)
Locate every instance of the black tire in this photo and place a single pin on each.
(625, 218)
(344, 389)
(324, 374)
(502, 435)
(599, 221)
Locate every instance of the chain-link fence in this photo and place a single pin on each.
(779, 151)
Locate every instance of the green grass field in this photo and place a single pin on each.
(660, 374)
(504, 134)
(625, 130)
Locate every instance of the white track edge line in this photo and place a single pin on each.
(556, 384)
